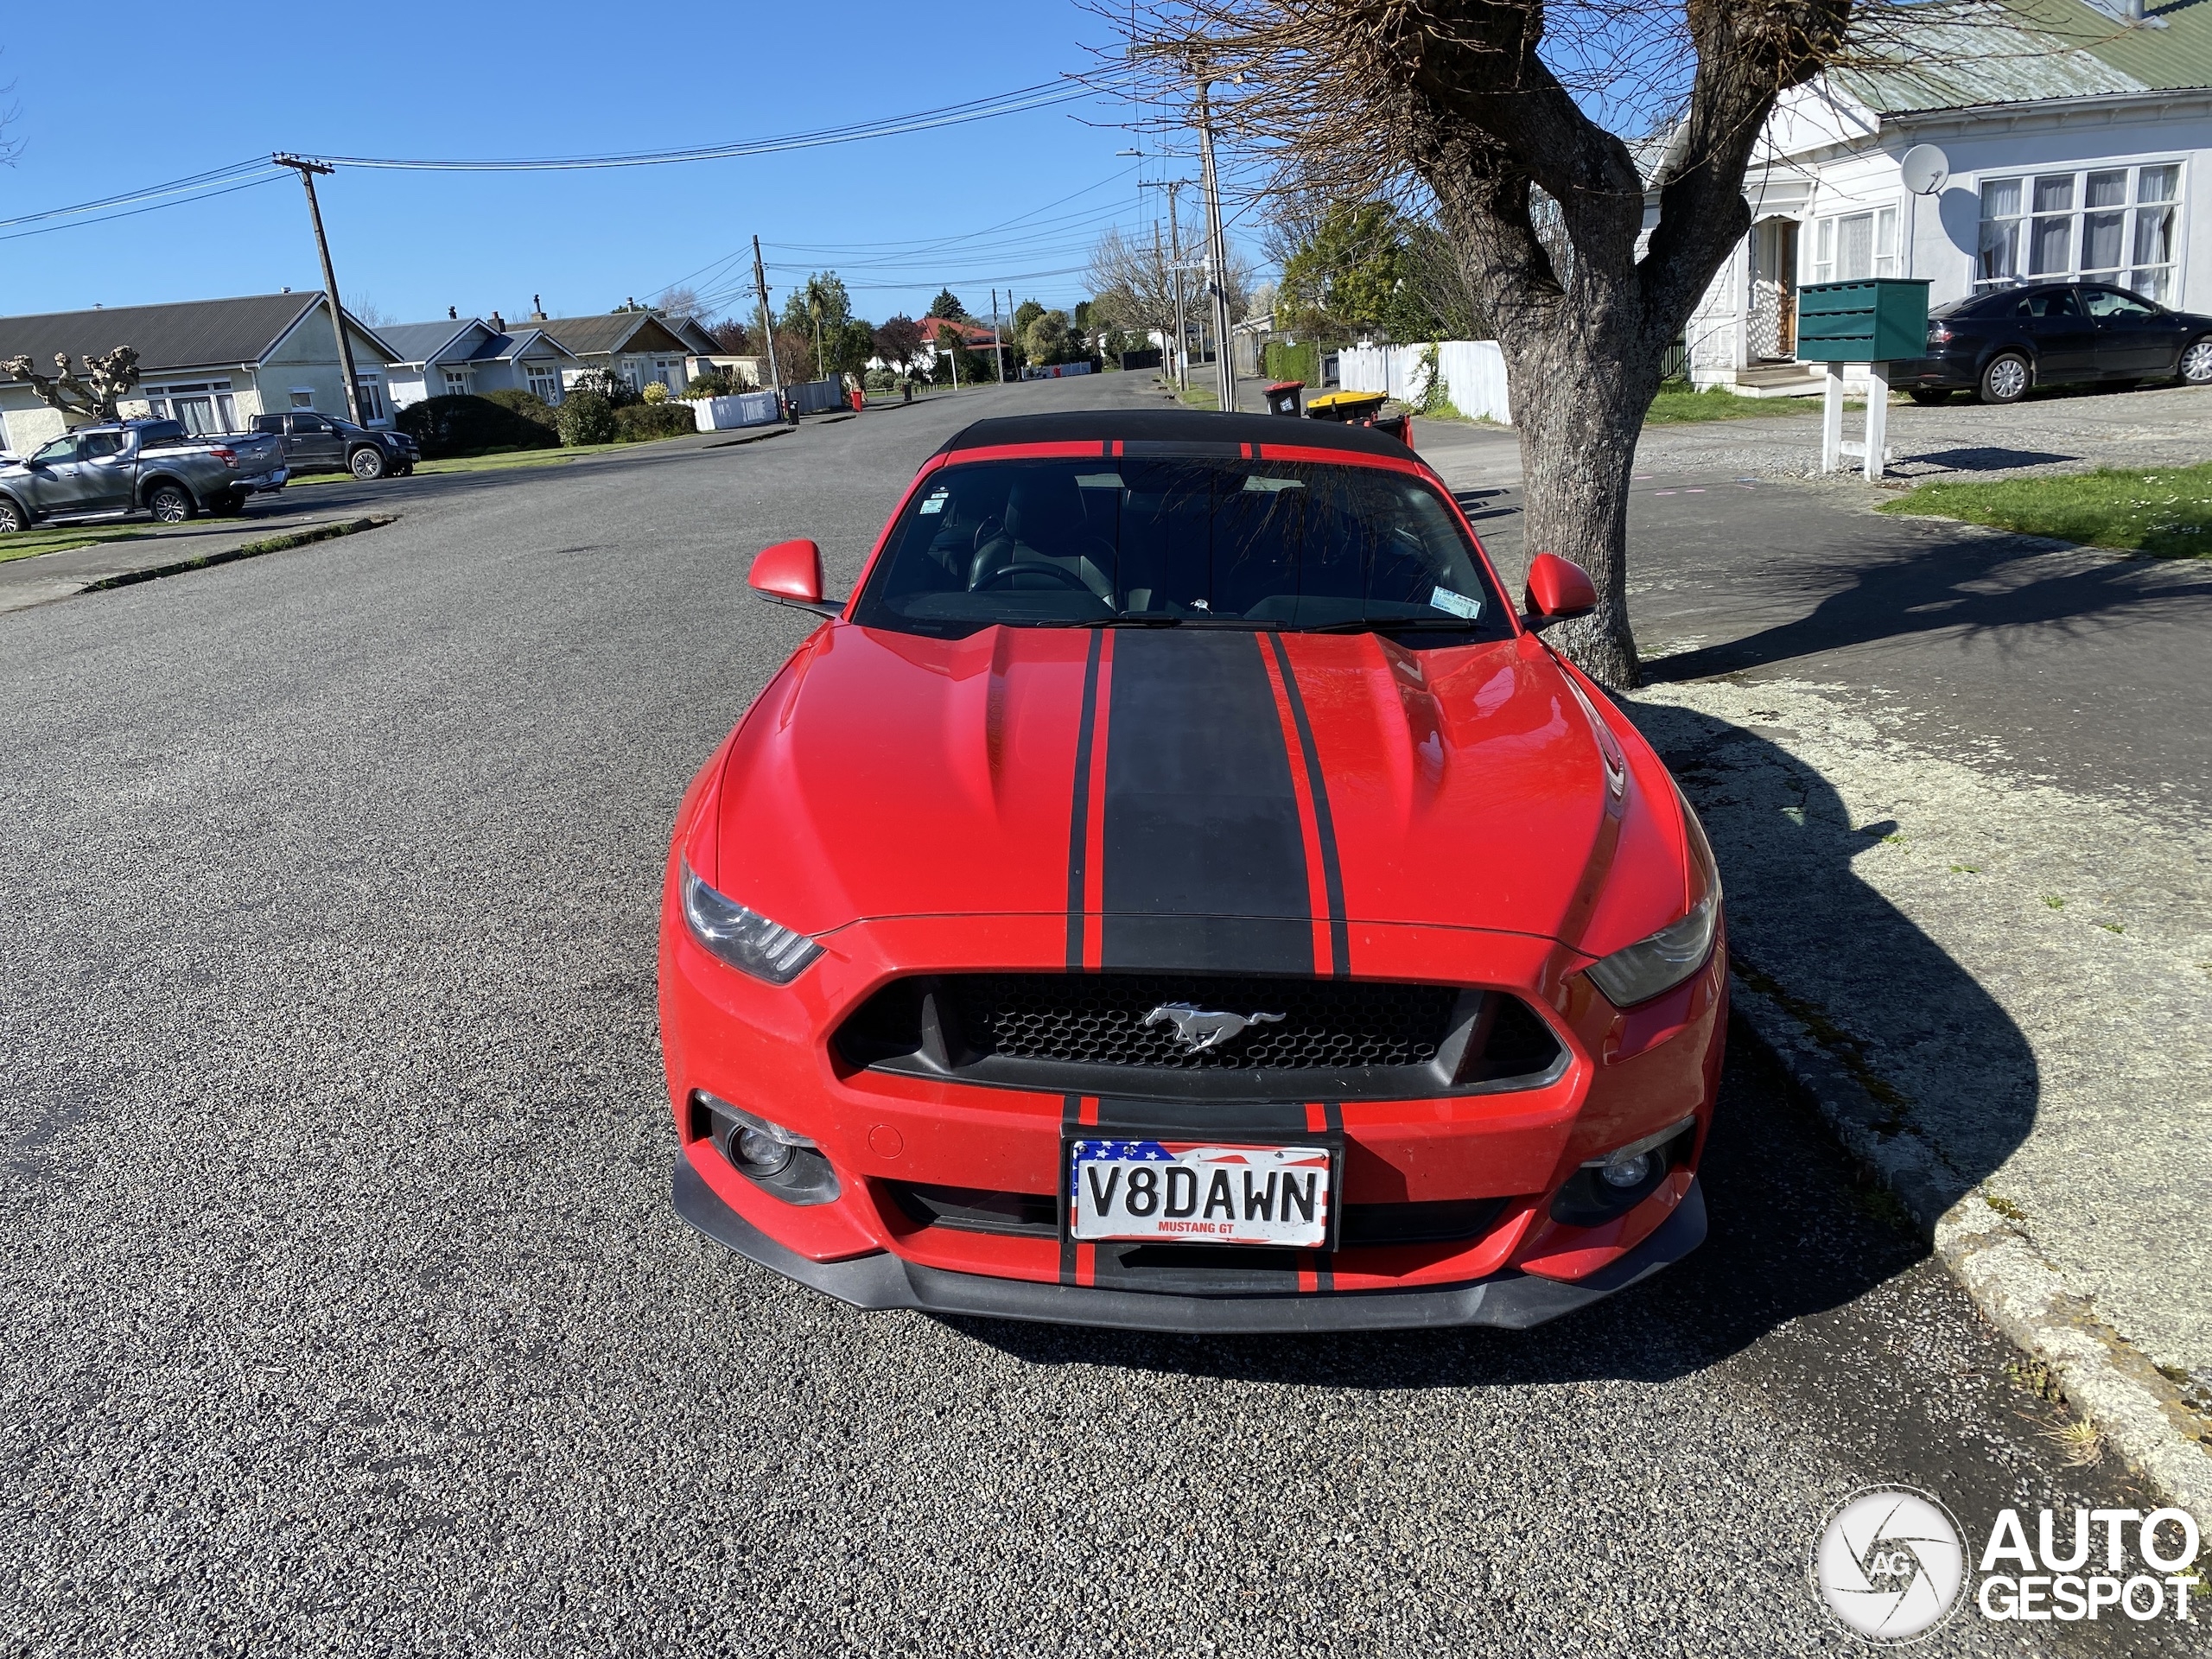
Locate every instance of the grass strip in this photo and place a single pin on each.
(243, 551)
(2164, 511)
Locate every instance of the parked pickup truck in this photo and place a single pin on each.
(122, 467)
(322, 444)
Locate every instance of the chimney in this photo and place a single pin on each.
(452, 314)
(2131, 11)
(499, 323)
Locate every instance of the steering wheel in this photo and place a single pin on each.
(1065, 578)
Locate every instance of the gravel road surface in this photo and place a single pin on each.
(342, 1309)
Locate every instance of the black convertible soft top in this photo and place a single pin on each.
(1194, 429)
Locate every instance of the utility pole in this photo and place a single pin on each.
(767, 323)
(1175, 268)
(1217, 255)
(306, 170)
(998, 350)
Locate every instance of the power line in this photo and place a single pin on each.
(174, 187)
(1044, 95)
(153, 208)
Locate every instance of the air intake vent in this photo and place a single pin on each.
(1178, 1037)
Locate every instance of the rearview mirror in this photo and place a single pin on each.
(1557, 588)
(790, 573)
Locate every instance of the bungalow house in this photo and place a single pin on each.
(471, 355)
(211, 364)
(2078, 134)
(640, 346)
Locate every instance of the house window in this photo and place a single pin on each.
(544, 381)
(456, 383)
(199, 406)
(302, 396)
(2108, 224)
(1851, 247)
(371, 391)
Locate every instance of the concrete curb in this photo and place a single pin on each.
(2139, 1411)
(278, 543)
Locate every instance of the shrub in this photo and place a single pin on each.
(1300, 362)
(466, 425)
(663, 420)
(586, 417)
(528, 405)
(605, 383)
(655, 393)
(721, 383)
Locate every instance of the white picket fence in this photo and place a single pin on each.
(1473, 372)
(741, 408)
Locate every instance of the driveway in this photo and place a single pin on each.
(342, 1307)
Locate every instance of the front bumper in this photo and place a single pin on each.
(879, 1278)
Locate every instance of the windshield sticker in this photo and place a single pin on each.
(1255, 481)
(1098, 480)
(936, 503)
(1443, 599)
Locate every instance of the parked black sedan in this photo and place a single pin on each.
(1999, 344)
(323, 443)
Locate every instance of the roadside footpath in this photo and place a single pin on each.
(1968, 890)
(44, 577)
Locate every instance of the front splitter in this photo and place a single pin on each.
(881, 1280)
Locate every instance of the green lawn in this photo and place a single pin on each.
(1677, 403)
(2165, 511)
(1201, 397)
(496, 461)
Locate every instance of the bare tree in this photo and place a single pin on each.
(91, 396)
(1505, 112)
(678, 301)
(1133, 282)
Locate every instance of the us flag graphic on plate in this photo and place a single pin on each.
(1197, 1193)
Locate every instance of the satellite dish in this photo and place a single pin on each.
(1925, 168)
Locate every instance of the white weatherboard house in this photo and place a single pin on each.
(212, 364)
(637, 347)
(2079, 138)
(471, 356)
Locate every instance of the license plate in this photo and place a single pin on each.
(1196, 1193)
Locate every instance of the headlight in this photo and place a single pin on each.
(1651, 967)
(744, 938)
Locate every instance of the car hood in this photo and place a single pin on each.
(1147, 779)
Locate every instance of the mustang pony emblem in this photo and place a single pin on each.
(1203, 1028)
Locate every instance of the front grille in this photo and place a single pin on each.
(1107, 1035)
(1099, 1019)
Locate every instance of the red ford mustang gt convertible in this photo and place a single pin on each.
(1176, 890)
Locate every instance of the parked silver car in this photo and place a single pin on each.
(124, 467)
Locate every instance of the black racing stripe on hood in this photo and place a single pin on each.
(1205, 862)
(1325, 823)
(1079, 814)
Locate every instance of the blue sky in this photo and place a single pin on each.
(202, 89)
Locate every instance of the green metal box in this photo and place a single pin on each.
(1879, 320)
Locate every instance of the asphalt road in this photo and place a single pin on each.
(342, 1308)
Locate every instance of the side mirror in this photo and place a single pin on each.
(790, 573)
(1557, 588)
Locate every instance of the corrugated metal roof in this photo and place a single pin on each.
(190, 333)
(1960, 54)
(2171, 48)
(1956, 54)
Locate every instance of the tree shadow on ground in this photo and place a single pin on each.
(1983, 458)
(1795, 1229)
(1949, 579)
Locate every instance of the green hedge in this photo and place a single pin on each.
(528, 405)
(586, 417)
(467, 425)
(1284, 361)
(642, 421)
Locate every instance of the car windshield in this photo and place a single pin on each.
(1176, 541)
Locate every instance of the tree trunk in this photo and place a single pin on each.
(1579, 400)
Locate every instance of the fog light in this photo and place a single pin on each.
(757, 1152)
(1625, 1169)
